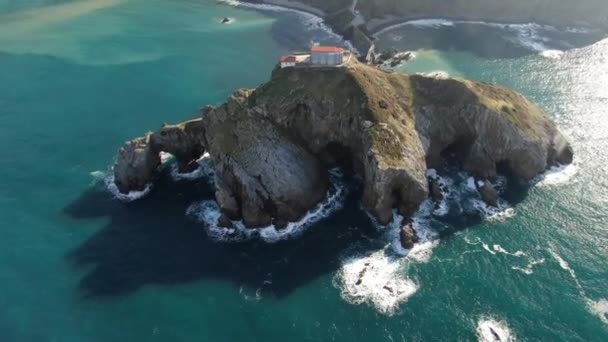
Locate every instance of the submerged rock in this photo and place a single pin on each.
(487, 192)
(270, 146)
(435, 191)
(407, 236)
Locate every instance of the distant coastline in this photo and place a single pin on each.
(363, 35)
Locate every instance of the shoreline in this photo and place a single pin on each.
(285, 4)
(376, 26)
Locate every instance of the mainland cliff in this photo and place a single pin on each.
(272, 146)
(358, 20)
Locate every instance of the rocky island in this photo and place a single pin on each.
(272, 146)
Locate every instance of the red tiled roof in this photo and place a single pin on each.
(326, 49)
(288, 59)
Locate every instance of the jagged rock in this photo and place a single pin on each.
(268, 144)
(408, 236)
(136, 165)
(487, 192)
(435, 191)
(262, 168)
(388, 53)
(224, 221)
(184, 141)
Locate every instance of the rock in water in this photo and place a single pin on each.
(435, 191)
(487, 192)
(408, 236)
(267, 144)
(136, 164)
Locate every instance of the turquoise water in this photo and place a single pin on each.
(77, 78)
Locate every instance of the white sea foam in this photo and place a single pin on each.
(129, 197)
(526, 35)
(439, 74)
(205, 169)
(556, 175)
(489, 213)
(377, 280)
(98, 175)
(599, 308)
(428, 238)
(596, 307)
(208, 212)
(552, 54)
(500, 249)
(166, 157)
(492, 330)
(431, 23)
(529, 269)
(310, 20)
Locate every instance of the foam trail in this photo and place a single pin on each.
(309, 19)
(205, 169)
(208, 212)
(492, 330)
(376, 280)
(529, 269)
(599, 307)
(556, 175)
(129, 197)
(526, 35)
(499, 249)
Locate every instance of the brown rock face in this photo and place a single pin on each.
(407, 236)
(271, 146)
(263, 174)
(136, 164)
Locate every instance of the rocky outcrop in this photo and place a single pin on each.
(407, 236)
(263, 176)
(136, 164)
(272, 146)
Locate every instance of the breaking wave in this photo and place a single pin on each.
(556, 175)
(205, 169)
(129, 197)
(527, 35)
(599, 308)
(208, 212)
(376, 280)
(492, 330)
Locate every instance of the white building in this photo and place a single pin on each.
(327, 55)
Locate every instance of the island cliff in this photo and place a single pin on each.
(271, 147)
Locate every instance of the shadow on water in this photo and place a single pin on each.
(152, 241)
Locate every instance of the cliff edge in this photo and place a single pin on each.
(272, 146)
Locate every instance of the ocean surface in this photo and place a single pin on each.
(78, 78)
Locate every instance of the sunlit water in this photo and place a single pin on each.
(77, 78)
